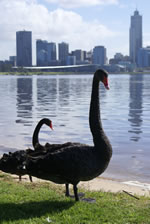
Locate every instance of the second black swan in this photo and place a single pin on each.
(44, 149)
(72, 164)
(47, 147)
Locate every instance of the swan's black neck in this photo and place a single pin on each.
(35, 139)
(94, 116)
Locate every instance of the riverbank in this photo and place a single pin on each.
(68, 73)
(38, 73)
(105, 185)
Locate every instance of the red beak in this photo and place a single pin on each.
(105, 81)
(51, 126)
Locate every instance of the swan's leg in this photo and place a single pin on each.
(67, 190)
(76, 192)
(19, 177)
(30, 177)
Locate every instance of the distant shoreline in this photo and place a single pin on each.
(69, 73)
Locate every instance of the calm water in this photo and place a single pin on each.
(65, 100)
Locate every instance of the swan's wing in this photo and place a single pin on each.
(54, 147)
(66, 163)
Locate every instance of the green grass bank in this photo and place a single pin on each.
(41, 203)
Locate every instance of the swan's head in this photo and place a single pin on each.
(102, 75)
(48, 122)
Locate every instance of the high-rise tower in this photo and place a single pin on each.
(99, 55)
(24, 48)
(45, 53)
(63, 50)
(135, 36)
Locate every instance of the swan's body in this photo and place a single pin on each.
(75, 163)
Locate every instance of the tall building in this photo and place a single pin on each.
(63, 50)
(144, 57)
(99, 55)
(24, 48)
(135, 36)
(12, 59)
(79, 54)
(41, 52)
(45, 53)
(71, 60)
(51, 51)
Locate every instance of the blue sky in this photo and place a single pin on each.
(81, 23)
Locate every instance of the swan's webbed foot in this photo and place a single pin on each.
(75, 189)
(81, 195)
(76, 195)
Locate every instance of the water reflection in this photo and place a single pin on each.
(24, 100)
(64, 100)
(135, 106)
(64, 92)
(46, 96)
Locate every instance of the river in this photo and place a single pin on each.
(65, 99)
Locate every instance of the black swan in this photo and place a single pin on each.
(72, 164)
(44, 149)
(12, 162)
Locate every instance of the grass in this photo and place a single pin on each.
(43, 203)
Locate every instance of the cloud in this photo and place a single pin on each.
(81, 3)
(57, 26)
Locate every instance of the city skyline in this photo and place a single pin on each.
(81, 24)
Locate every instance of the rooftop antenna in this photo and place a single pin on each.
(136, 6)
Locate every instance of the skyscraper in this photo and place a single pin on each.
(45, 53)
(144, 57)
(63, 49)
(135, 36)
(79, 54)
(51, 51)
(41, 52)
(24, 48)
(99, 55)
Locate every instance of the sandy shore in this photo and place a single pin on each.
(103, 184)
(107, 185)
